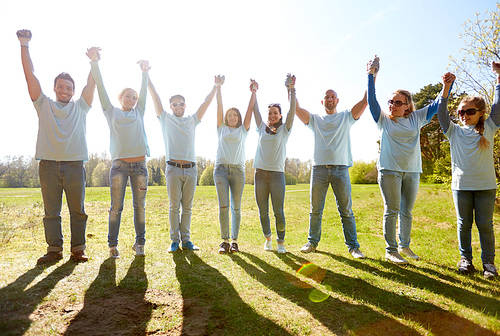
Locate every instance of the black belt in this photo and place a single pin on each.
(180, 165)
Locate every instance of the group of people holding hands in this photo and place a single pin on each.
(61, 149)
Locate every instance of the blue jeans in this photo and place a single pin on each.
(229, 177)
(338, 178)
(271, 183)
(118, 176)
(56, 177)
(181, 184)
(399, 191)
(478, 205)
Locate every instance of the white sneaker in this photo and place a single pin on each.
(281, 248)
(113, 252)
(395, 258)
(268, 245)
(308, 248)
(408, 253)
(356, 253)
(139, 250)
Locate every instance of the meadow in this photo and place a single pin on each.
(248, 293)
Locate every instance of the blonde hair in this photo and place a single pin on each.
(409, 101)
(237, 113)
(123, 92)
(480, 104)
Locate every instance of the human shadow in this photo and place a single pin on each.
(17, 304)
(114, 309)
(212, 306)
(406, 275)
(337, 315)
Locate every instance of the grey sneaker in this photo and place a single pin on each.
(281, 248)
(407, 252)
(395, 258)
(268, 245)
(113, 252)
(490, 271)
(356, 253)
(139, 250)
(465, 266)
(308, 248)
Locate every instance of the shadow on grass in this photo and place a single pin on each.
(337, 315)
(111, 309)
(405, 275)
(212, 306)
(18, 304)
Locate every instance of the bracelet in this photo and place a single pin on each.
(25, 45)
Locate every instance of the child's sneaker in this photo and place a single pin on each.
(139, 250)
(113, 252)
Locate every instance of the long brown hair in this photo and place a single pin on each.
(409, 101)
(237, 113)
(480, 104)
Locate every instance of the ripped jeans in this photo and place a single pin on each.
(118, 176)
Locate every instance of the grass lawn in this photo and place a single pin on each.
(249, 293)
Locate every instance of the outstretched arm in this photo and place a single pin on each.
(34, 88)
(442, 107)
(141, 102)
(372, 69)
(251, 104)
(290, 84)
(358, 109)
(302, 113)
(256, 112)
(88, 90)
(495, 108)
(433, 107)
(204, 106)
(94, 55)
(219, 80)
(156, 97)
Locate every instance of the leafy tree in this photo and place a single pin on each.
(100, 174)
(290, 179)
(207, 178)
(249, 172)
(363, 172)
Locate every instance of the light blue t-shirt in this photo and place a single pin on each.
(400, 142)
(472, 168)
(127, 136)
(231, 149)
(332, 141)
(271, 149)
(61, 129)
(178, 136)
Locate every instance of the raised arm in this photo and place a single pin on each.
(433, 107)
(251, 104)
(290, 85)
(495, 107)
(34, 88)
(258, 118)
(141, 102)
(88, 90)
(358, 109)
(372, 69)
(204, 106)
(302, 113)
(94, 56)
(442, 107)
(219, 80)
(155, 96)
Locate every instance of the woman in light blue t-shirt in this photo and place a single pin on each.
(399, 164)
(128, 148)
(229, 172)
(269, 166)
(473, 174)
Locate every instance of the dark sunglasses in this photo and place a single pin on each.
(397, 103)
(470, 112)
(178, 104)
(274, 105)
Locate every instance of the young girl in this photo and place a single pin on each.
(399, 163)
(473, 173)
(269, 166)
(229, 173)
(129, 148)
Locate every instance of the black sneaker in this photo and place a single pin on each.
(465, 266)
(234, 247)
(224, 248)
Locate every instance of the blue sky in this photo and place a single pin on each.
(326, 44)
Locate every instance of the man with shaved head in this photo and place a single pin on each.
(332, 159)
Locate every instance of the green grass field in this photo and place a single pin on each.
(249, 293)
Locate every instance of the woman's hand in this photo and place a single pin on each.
(373, 66)
(93, 53)
(254, 86)
(448, 78)
(24, 36)
(219, 80)
(290, 81)
(144, 65)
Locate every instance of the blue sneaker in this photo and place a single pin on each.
(173, 247)
(189, 246)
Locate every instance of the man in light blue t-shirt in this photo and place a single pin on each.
(332, 159)
(61, 148)
(178, 136)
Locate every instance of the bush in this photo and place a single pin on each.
(290, 179)
(364, 172)
(207, 177)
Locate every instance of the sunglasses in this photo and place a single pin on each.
(397, 103)
(273, 105)
(470, 111)
(178, 104)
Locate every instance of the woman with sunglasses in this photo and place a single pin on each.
(229, 173)
(473, 174)
(269, 164)
(399, 164)
(128, 148)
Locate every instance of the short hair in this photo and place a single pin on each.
(65, 76)
(123, 92)
(177, 97)
(409, 101)
(237, 113)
